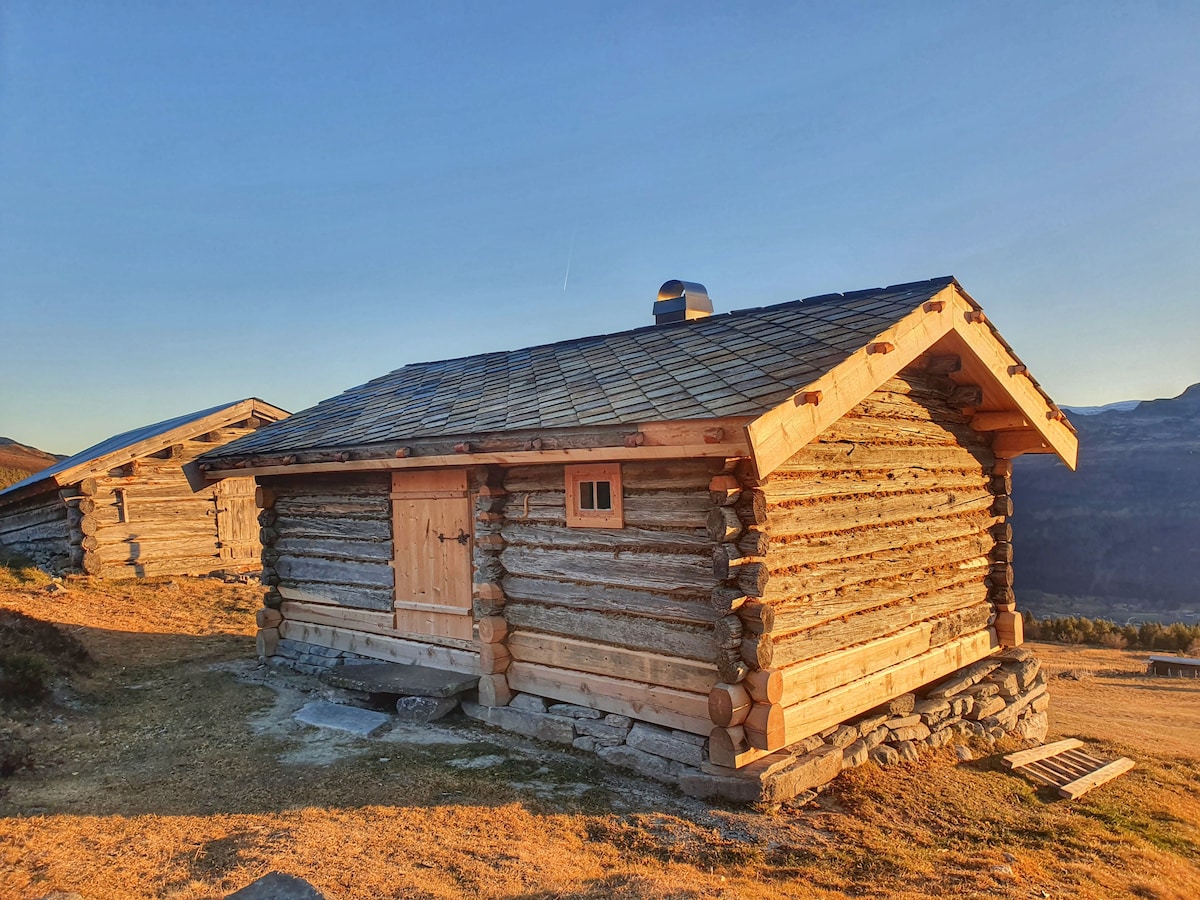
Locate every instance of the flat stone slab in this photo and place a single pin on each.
(277, 886)
(351, 719)
(401, 679)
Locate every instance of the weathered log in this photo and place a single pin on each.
(1002, 532)
(264, 497)
(828, 454)
(726, 599)
(725, 490)
(340, 572)
(724, 524)
(792, 486)
(729, 704)
(855, 512)
(753, 544)
(796, 582)
(691, 608)
(966, 395)
(88, 525)
(752, 507)
(89, 542)
(758, 651)
(329, 548)
(1002, 506)
(752, 579)
(1001, 576)
(757, 618)
(661, 571)
(1002, 553)
(640, 539)
(1001, 484)
(731, 667)
(350, 529)
(946, 364)
(671, 638)
(728, 631)
(820, 608)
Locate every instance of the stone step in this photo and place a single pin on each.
(400, 679)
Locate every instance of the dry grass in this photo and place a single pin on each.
(152, 782)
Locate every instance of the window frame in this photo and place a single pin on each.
(577, 517)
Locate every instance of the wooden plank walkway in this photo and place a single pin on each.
(1064, 765)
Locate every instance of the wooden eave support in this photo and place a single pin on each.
(509, 458)
(779, 433)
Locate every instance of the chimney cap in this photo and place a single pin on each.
(681, 301)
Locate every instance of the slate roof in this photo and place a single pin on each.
(76, 468)
(740, 363)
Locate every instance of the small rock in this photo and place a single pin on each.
(55, 588)
(883, 755)
(963, 753)
(277, 886)
(902, 705)
(855, 755)
(907, 751)
(1009, 858)
(842, 736)
(586, 742)
(323, 714)
(574, 711)
(618, 721)
(477, 762)
(528, 702)
(1002, 871)
(422, 710)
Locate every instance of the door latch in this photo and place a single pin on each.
(462, 537)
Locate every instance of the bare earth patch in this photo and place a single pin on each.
(174, 769)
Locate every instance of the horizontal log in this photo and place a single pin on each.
(840, 514)
(54, 530)
(605, 659)
(693, 608)
(342, 595)
(804, 581)
(382, 647)
(649, 570)
(790, 486)
(658, 509)
(886, 430)
(332, 548)
(830, 455)
(966, 395)
(680, 474)
(332, 507)
(804, 550)
(821, 608)
(833, 707)
(181, 529)
(731, 667)
(723, 524)
(340, 572)
(636, 633)
(858, 648)
(729, 704)
(649, 703)
(150, 566)
(21, 516)
(561, 537)
(351, 529)
(728, 632)
(726, 599)
(156, 548)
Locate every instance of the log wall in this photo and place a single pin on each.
(37, 529)
(617, 619)
(865, 564)
(144, 519)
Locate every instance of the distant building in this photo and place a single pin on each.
(1173, 666)
(123, 508)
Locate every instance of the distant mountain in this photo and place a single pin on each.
(1121, 536)
(18, 461)
(1120, 405)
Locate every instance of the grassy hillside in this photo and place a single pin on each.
(18, 461)
(1122, 534)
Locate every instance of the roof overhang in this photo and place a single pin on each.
(98, 465)
(949, 322)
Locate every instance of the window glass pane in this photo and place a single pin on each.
(603, 495)
(587, 495)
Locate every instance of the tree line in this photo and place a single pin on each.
(1177, 637)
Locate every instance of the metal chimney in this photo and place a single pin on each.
(681, 301)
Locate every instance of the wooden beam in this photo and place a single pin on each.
(999, 421)
(1008, 444)
(1027, 756)
(833, 707)
(1080, 786)
(513, 458)
(777, 434)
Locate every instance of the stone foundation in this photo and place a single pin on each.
(313, 659)
(1000, 696)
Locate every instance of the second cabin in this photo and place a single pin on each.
(743, 529)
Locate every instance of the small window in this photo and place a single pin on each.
(594, 496)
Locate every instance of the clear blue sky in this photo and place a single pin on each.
(201, 201)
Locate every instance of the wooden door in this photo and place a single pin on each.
(431, 533)
(237, 521)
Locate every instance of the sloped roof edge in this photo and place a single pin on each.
(121, 448)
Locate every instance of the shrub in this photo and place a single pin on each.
(24, 677)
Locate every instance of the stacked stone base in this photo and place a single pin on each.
(1004, 695)
(312, 659)
(1001, 696)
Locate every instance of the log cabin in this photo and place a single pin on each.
(124, 507)
(729, 535)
